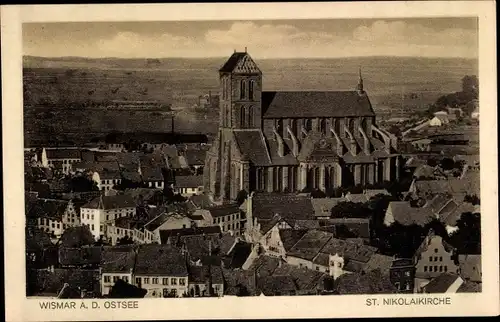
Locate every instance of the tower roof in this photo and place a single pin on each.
(240, 62)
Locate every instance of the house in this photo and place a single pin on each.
(196, 158)
(374, 282)
(238, 255)
(152, 176)
(291, 140)
(470, 267)
(202, 278)
(188, 185)
(444, 283)
(51, 215)
(227, 216)
(403, 213)
(63, 157)
(167, 221)
(80, 257)
(128, 227)
(239, 282)
(161, 270)
(115, 147)
(356, 197)
(278, 241)
(262, 209)
(172, 236)
(402, 275)
(457, 188)
(117, 263)
(433, 258)
(200, 201)
(347, 227)
(104, 210)
(475, 113)
(107, 179)
(305, 251)
(323, 206)
(421, 144)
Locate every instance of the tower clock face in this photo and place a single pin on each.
(322, 143)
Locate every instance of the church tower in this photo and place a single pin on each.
(360, 88)
(240, 94)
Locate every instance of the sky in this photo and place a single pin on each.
(332, 38)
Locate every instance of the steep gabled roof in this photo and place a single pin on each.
(161, 260)
(326, 104)
(241, 62)
(252, 145)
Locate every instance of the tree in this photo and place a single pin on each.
(467, 240)
(241, 197)
(75, 237)
(348, 209)
(470, 84)
(473, 199)
(126, 240)
(82, 184)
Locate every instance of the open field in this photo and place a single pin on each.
(53, 82)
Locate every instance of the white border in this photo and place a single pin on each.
(18, 308)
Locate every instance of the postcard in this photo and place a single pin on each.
(244, 160)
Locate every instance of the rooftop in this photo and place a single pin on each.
(118, 259)
(297, 104)
(111, 202)
(160, 260)
(188, 181)
(310, 244)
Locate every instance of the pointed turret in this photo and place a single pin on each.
(360, 88)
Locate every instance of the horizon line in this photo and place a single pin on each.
(273, 58)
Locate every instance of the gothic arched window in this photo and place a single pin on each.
(308, 124)
(242, 89)
(351, 127)
(250, 116)
(364, 125)
(243, 120)
(251, 85)
(293, 126)
(322, 126)
(278, 124)
(336, 125)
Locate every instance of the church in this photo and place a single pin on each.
(293, 141)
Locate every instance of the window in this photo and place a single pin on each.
(92, 227)
(115, 278)
(322, 126)
(435, 258)
(222, 219)
(242, 89)
(107, 217)
(397, 285)
(107, 279)
(446, 268)
(440, 268)
(339, 264)
(307, 125)
(146, 280)
(250, 117)
(173, 281)
(430, 258)
(155, 280)
(125, 278)
(92, 216)
(407, 286)
(243, 117)
(182, 281)
(53, 225)
(435, 268)
(317, 268)
(215, 221)
(407, 274)
(435, 250)
(165, 281)
(425, 268)
(165, 292)
(174, 292)
(440, 258)
(251, 86)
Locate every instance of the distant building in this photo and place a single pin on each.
(167, 221)
(228, 217)
(208, 100)
(433, 258)
(106, 180)
(61, 158)
(444, 283)
(104, 210)
(402, 275)
(161, 270)
(116, 263)
(51, 215)
(188, 185)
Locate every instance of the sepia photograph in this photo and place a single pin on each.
(240, 158)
